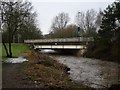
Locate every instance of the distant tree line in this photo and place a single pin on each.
(88, 23)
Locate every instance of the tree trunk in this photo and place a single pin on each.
(10, 40)
(10, 51)
(6, 49)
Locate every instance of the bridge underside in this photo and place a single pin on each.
(76, 50)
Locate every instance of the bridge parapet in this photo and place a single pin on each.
(78, 39)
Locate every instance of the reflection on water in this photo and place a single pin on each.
(92, 72)
(47, 51)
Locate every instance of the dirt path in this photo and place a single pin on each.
(13, 77)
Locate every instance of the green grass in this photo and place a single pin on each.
(17, 49)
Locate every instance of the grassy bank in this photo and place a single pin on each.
(44, 70)
(17, 49)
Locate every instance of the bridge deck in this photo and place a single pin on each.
(60, 43)
(60, 40)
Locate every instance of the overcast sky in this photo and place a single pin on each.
(48, 9)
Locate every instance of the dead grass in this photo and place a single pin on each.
(44, 70)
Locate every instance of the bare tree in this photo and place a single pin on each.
(60, 22)
(86, 20)
(99, 19)
(13, 14)
(80, 20)
(90, 19)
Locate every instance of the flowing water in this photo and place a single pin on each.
(92, 72)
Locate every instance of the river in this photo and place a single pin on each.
(92, 72)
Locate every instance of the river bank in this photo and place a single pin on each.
(44, 71)
(41, 72)
(92, 72)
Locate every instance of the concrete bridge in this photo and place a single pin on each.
(60, 43)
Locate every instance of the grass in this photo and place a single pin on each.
(17, 49)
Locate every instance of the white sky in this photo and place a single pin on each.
(48, 9)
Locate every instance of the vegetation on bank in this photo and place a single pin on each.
(107, 41)
(17, 48)
(44, 70)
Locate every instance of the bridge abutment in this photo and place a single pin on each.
(79, 52)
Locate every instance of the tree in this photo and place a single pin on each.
(80, 22)
(14, 15)
(70, 31)
(109, 33)
(109, 30)
(106, 45)
(29, 29)
(86, 22)
(59, 23)
(98, 21)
